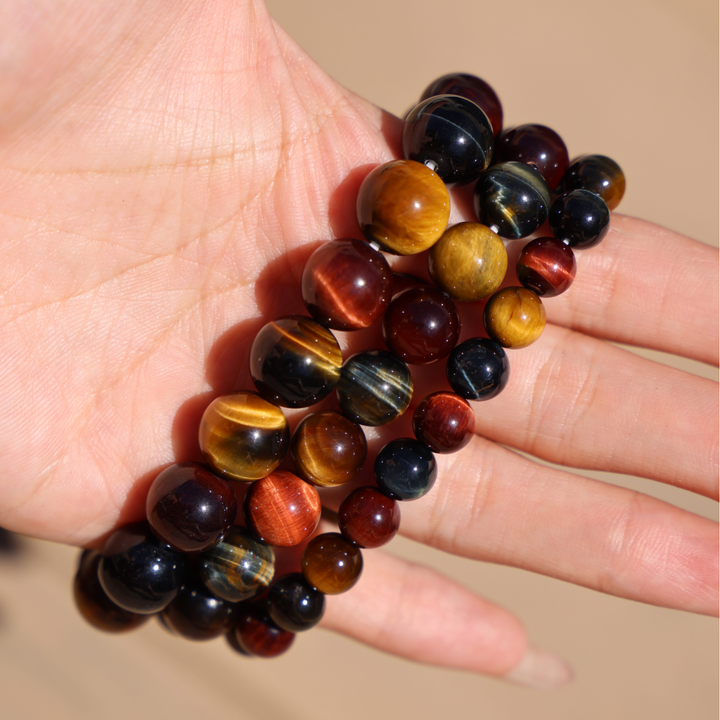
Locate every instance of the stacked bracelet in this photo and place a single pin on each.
(206, 575)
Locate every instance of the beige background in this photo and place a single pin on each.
(633, 79)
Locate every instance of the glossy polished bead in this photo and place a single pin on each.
(580, 219)
(405, 469)
(243, 436)
(238, 567)
(190, 508)
(546, 266)
(367, 518)
(93, 603)
(512, 199)
(331, 564)
(536, 145)
(281, 509)
(139, 573)
(472, 88)
(478, 369)
(197, 614)
(444, 421)
(258, 636)
(514, 317)
(403, 206)
(294, 361)
(599, 174)
(328, 449)
(346, 284)
(375, 387)
(469, 262)
(450, 134)
(421, 325)
(294, 605)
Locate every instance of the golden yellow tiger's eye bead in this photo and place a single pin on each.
(514, 317)
(403, 206)
(469, 262)
(243, 437)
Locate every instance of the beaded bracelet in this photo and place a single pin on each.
(203, 574)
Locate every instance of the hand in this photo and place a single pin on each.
(163, 183)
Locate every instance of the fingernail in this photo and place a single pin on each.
(541, 670)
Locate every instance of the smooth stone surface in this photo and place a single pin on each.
(405, 469)
(512, 199)
(421, 325)
(469, 262)
(375, 388)
(580, 219)
(243, 436)
(197, 614)
(546, 266)
(190, 508)
(514, 317)
(403, 206)
(281, 509)
(294, 605)
(295, 361)
(444, 421)
(478, 369)
(599, 174)
(238, 567)
(367, 518)
(331, 564)
(450, 134)
(346, 284)
(258, 636)
(328, 449)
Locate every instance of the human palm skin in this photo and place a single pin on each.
(167, 168)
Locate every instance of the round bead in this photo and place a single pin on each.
(294, 605)
(281, 509)
(451, 135)
(403, 206)
(421, 325)
(405, 469)
(368, 518)
(138, 573)
(93, 603)
(580, 219)
(538, 146)
(243, 437)
(478, 369)
(469, 262)
(512, 199)
(331, 564)
(258, 636)
(444, 421)
(375, 387)
(294, 361)
(546, 266)
(328, 449)
(197, 614)
(238, 567)
(189, 508)
(514, 317)
(599, 174)
(346, 284)
(472, 88)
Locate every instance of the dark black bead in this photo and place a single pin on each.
(198, 614)
(138, 572)
(451, 135)
(294, 605)
(580, 219)
(478, 369)
(405, 469)
(512, 199)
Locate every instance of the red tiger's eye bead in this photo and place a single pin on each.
(546, 266)
(368, 518)
(258, 635)
(444, 421)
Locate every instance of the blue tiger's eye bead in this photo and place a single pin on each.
(450, 134)
(512, 199)
(294, 605)
(478, 369)
(375, 387)
(580, 219)
(405, 469)
(197, 614)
